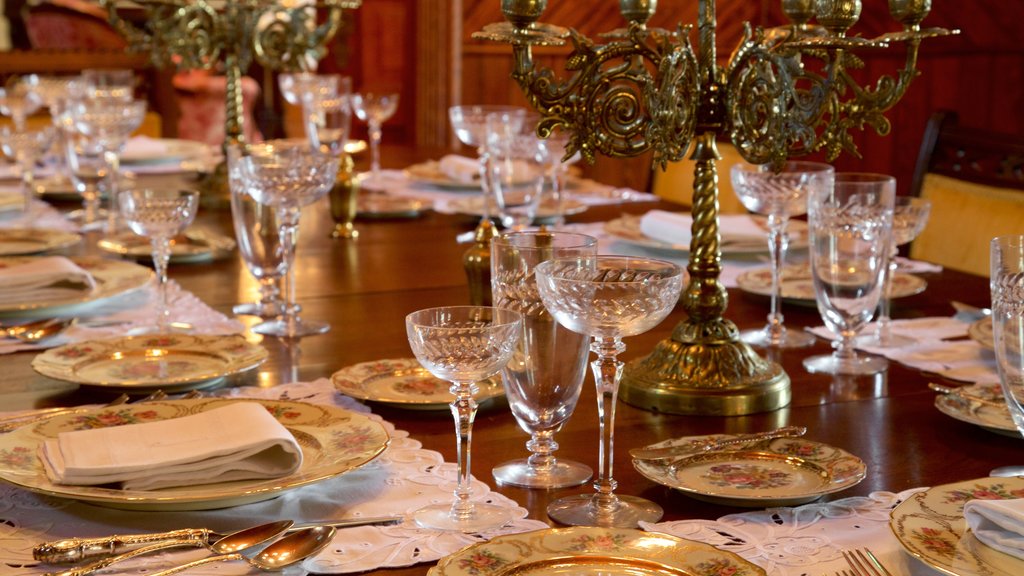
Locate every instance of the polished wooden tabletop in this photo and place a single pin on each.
(366, 287)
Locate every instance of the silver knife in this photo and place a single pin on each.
(665, 452)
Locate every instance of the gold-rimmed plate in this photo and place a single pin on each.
(333, 441)
(546, 211)
(930, 526)
(22, 241)
(981, 404)
(385, 206)
(194, 245)
(798, 285)
(404, 383)
(114, 278)
(588, 550)
(170, 362)
(163, 150)
(627, 229)
(779, 472)
(981, 332)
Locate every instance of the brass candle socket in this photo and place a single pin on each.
(344, 200)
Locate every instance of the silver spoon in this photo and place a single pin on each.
(232, 543)
(293, 548)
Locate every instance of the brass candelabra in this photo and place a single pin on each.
(785, 92)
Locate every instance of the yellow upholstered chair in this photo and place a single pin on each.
(675, 183)
(975, 181)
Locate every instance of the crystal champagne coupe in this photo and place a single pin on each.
(515, 169)
(26, 147)
(18, 101)
(778, 195)
(1007, 287)
(302, 88)
(374, 109)
(607, 298)
(544, 378)
(159, 214)
(850, 227)
(56, 93)
(287, 176)
(463, 345)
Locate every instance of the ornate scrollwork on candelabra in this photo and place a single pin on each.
(784, 92)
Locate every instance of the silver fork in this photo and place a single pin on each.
(863, 563)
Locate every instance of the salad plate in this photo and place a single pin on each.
(981, 404)
(778, 472)
(404, 383)
(170, 362)
(333, 441)
(584, 550)
(114, 278)
(930, 526)
(798, 285)
(22, 241)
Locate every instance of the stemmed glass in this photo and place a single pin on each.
(56, 92)
(258, 232)
(374, 109)
(607, 298)
(1007, 288)
(778, 195)
(515, 169)
(110, 83)
(544, 378)
(18, 100)
(554, 148)
(463, 344)
(303, 88)
(850, 227)
(89, 170)
(287, 176)
(328, 120)
(26, 147)
(159, 214)
(909, 217)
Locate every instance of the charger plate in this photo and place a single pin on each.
(405, 383)
(584, 550)
(798, 285)
(981, 404)
(170, 362)
(113, 278)
(194, 245)
(930, 526)
(333, 441)
(779, 472)
(21, 241)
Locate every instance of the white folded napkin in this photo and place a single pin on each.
(237, 442)
(998, 524)
(43, 278)
(674, 228)
(460, 168)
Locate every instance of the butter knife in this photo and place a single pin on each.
(666, 452)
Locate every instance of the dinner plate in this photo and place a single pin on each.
(981, 332)
(403, 382)
(21, 241)
(170, 362)
(333, 441)
(195, 245)
(546, 211)
(164, 150)
(371, 206)
(627, 229)
(429, 172)
(979, 404)
(798, 286)
(113, 278)
(930, 526)
(779, 472)
(581, 550)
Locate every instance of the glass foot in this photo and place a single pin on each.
(261, 309)
(832, 364)
(294, 328)
(581, 510)
(787, 339)
(563, 474)
(481, 518)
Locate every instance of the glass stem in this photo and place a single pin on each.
(607, 374)
(883, 330)
(161, 256)
(375, 137)
(485, 182)
(289, 226)
(269, 293)
(26, 183)
(542, 448)
(114, 169)
(778, 242)
(464, 412)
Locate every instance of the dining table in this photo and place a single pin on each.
(365, 287)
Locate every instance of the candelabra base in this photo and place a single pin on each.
(707, 377)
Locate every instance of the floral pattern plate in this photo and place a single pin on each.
(779, 472)
(333, 441)
(171, 363)
(586, 550)
(403, 382)
(798, 286)
(930, 526)
(195, 245)
(474, 206)
(19, 241)
(981, 332)
(981, 404)
(113, 278)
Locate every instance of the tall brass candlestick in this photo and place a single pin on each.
(785, 92)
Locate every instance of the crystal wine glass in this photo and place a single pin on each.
(26, 147)
(56, 93)
(110, 83)
(1007, 288)
(287, 176)
(374, 109)
(463, 344)
(544, 378)
(328, 120)
(909, 217)
(554, 150)
(778, 195)
(607, 298)
(258, 232)
(302, 88)
(515, 169)
(850, 227)
(18, 100)
(159, 214)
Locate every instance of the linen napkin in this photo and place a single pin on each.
(674, 228)
(236, 442)
(998, 524)
(460, 168)
(43, 278)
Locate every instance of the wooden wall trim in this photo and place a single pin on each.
(438, 69)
